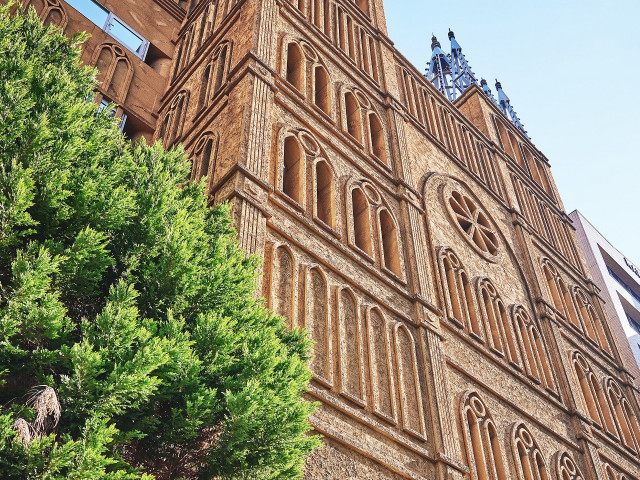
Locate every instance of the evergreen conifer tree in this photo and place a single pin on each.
(131, 343)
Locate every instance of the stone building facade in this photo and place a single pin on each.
(423, 244)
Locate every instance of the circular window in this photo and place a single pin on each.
(473, 223)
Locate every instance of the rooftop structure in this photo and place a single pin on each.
(618, 279)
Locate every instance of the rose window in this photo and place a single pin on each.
(474, 223)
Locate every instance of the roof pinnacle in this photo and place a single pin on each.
(452, 75)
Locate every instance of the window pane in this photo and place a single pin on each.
(91, 10)
(132, 41)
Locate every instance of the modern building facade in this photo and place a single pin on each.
(618, 279)
(421, 241)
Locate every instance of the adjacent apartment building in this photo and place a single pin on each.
(407, 222)
(618, 279)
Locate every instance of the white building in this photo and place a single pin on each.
(619, 280)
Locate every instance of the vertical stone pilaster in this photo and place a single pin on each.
(265, 41)
(447, 443)
(253, 184)
(402, 161)
(251, 227)
(258, 131)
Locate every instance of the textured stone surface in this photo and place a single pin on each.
(433, 318)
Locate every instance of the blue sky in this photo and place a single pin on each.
(572, 71)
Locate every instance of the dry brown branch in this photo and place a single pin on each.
(24, 431)
(44, 401)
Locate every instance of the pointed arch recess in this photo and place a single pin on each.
(528, 457)
(381, 378)
(408, 380)
(352, 382)
(566, 467)
(481, 440)
(317, 322)
(283, 284)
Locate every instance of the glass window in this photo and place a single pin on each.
(127, 37)
(92, 10)
(104, 104)
(111, 24)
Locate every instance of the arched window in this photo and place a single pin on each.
(499, 331)
(184, 52)
(389, 236)
(533, 350)
(322, 89)
(461, 305)
(482, 444)
(624, 416)
(354, 119)
(283, 285)
(559, 293)
(327, 17)
(204, 159)
(220, 60)
(361, 221)
(54, 14)
(530, 463)
(608, 471)
(50, 12)
(378, 145)
(408, 383)
(293, 165)
(381, 375)
(173, 122)
(295, 67)
(204, 88)
(567, 468)
(317, 13)
(114, 71)
(325, 194)
(591, 322)
(588, 388)
(317, 323)
(206, 25)
(374, 62)
(352, 381)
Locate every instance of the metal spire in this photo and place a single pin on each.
(505, 105)
(463, 76)
(452, 75)
(488, 92)
(439, 72)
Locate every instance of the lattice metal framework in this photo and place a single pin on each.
(452, 75)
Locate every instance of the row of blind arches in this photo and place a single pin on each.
(334, 21)
(214, 75)
(198, 32)
(309, 76)
(484, 452)
(438, 120)
(368, 217)
(607, 405)
(575, 306)
(359, 351)
(512, 336)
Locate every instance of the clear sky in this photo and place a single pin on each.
(572, 71)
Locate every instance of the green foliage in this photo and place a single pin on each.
(123, 292)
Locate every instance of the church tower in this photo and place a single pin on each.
(416, 234)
